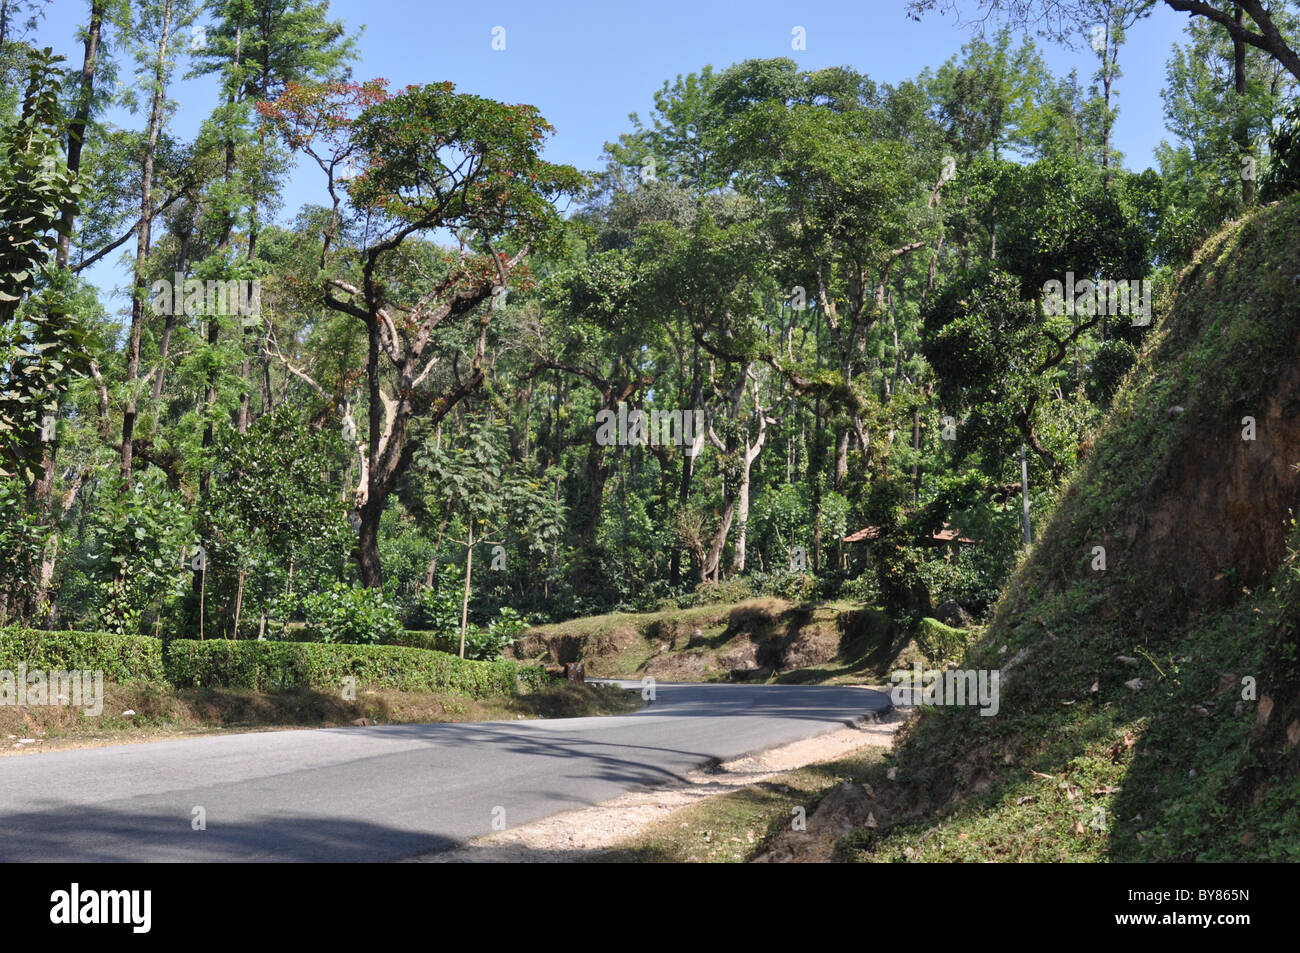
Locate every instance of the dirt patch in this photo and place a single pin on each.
(741, 661)
(845, 808)
(1217, 519)
(751, 640)
(693, 666)
(812, 644)
(564, 646)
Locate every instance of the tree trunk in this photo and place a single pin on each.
(841, 459)
(916, 454)
(239, 604)
(431, 573)
(464, 605)
(165, 342)
(1107, 78)
(710, 569)
(142, 245)
(1241, 131)
(42, 493)
(372, 573)
(742, 518)
(688, 472)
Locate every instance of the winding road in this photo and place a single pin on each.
(384, 792)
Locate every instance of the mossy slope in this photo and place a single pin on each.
(1128, 728)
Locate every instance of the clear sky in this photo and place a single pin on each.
(587, 65)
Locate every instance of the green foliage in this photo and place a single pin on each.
(780, 517)
(1011, 368)
(351, 615)
(973, 575)
(274, 505)
(503, 631)
(1282, 176)
(437, 614)
(903, 595)
(793, 585)
(917, 299)
(277, 666)
(1222, 138)
(142, 538)
(1184, 769)
(939, 642)
(416, 142)
(485, 644)
(39, 345)
(259, 46)
(122, 658)
(734, 589)
(22, 542)
(438, 606)
(533, 678)
(261, 666)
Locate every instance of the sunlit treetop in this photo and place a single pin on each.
(429, 157)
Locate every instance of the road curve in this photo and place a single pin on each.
(384, 792)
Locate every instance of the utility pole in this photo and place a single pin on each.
(1024, 497)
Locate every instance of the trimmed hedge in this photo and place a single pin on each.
(533, 677)
(263, 666)
(122, 658)
(939, 641)
(422, 639)
(275, 666)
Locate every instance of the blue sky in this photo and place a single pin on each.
(587, 65)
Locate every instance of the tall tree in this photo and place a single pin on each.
(43, 488)
(38, 343)
(1061, 19)
(429, 158)
(257, 48)
(153, 30)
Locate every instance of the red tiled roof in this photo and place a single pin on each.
(944, 535)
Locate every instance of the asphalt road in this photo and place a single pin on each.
(384, 792)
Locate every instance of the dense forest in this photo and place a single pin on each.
(804, 334)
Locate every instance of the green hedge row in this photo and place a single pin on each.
(938, 641)
(263, 666)
(422, 639)
(533, 678)
(271, 666)
(122, 658)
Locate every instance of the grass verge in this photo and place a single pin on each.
(158, 711)
(733, 828)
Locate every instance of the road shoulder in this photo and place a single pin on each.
(615, 825)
